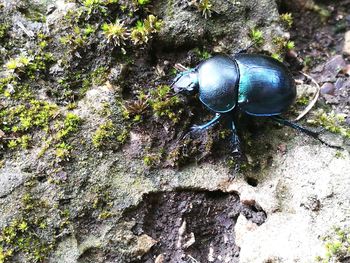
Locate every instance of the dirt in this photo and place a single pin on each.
(319, 42)
(192, 226)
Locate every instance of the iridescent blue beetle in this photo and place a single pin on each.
(254, 84)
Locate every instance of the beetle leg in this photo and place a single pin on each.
(235, 142)
(207, 125)
(293, 125)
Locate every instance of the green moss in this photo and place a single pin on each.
(205, 7)
(141, 33)
(25, 117)
(256, 36)
(23, 234)
(165, 104)
(3, 30)
(151, 159)
(102, 203)
(29, 66)
(303, 101)
(331, 121)
(143, 2)
(202, 54)
(287, 19)
(283, 44)
(104, 215)
(71, 125)
(337, 246)
(107, 135)
(277, 56)
(104, 133)
(63, 151)
(115, 33)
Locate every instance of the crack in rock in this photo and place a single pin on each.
(192, 226)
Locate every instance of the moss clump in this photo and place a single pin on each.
(283, 44)
(27, 234)
(337, 246)
(331, 121)
(163, 103)
(27, 116)
(206, 8)
(107, 135)
(161, 100)
(151, 160)
(3, 30)
(104, 133)
(116, 33)
(287, 19)
(102, 203)
(141, 33)
(136, 108)
(29, 66)
(202, 54)
(71, 125)
(256, 36)
(20, 121)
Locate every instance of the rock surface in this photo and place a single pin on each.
(72, 198)
(346, 48)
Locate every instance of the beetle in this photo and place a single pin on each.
(254, 84)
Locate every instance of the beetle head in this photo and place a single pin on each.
(186, 82)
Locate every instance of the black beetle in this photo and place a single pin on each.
(254, 84)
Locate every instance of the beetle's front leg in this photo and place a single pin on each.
(196, 128)
(235, 142)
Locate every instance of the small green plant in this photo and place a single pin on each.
(116, 33)
(92, 5)
(283, 44)
(287, 19)
(141, 33)
(104, 135)
(152, 24)
(21, 118)
(277, 56)
(337, 246)
(22, 235)
(18, 63)
(136, 107)
(71, 124)
(89, 29)
(63, 151)
(3, 30)
(331, 121)
(143, 2)
(256, 36)
(205, 7)
(164, 104)
(290, 45)
(202, 54)
(151, 159)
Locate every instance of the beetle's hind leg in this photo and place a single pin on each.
(313, 134)
(293, 125)
(207, 125)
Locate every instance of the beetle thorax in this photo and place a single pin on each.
(218, 79)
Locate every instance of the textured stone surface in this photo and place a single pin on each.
(305, 196)
(302, 186)
(229, 26)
